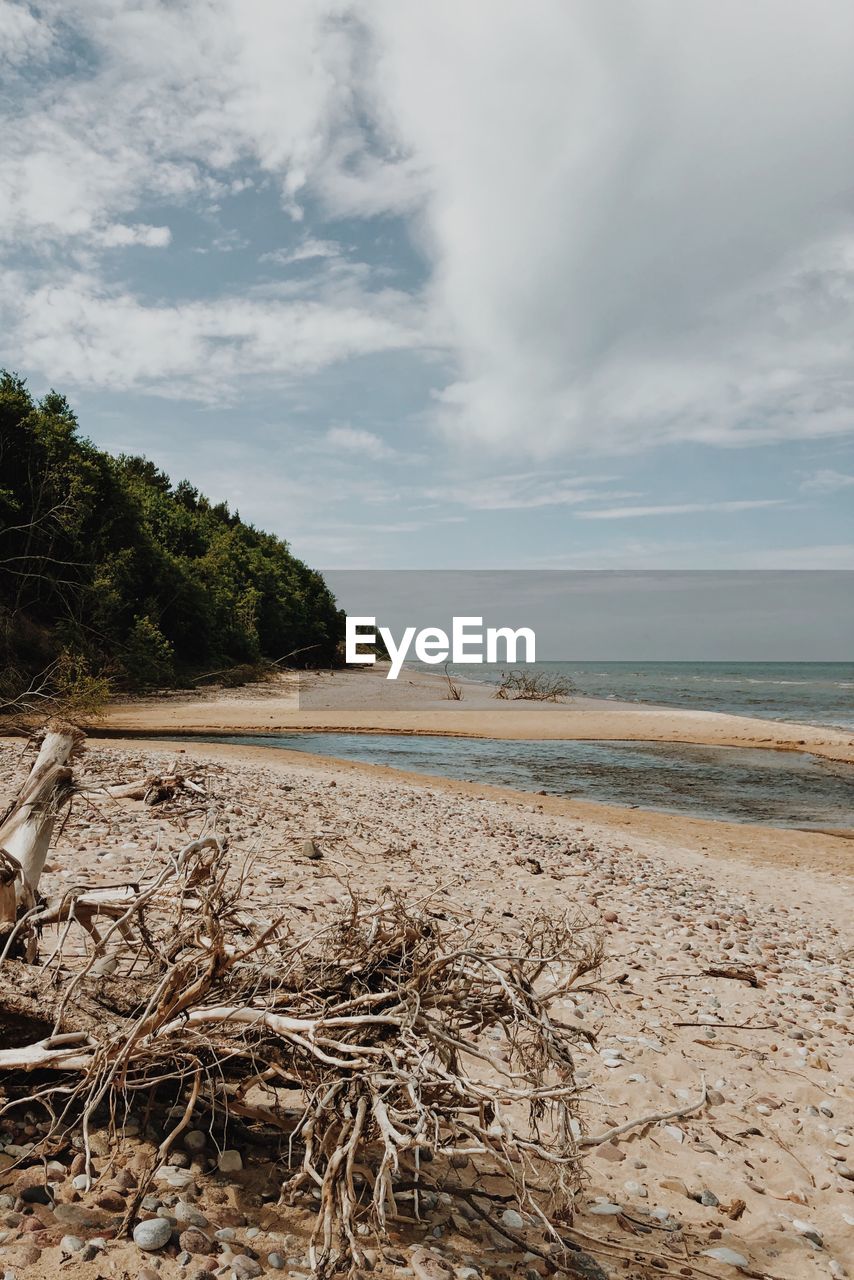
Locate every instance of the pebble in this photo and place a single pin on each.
(276, 1261)
(195, 1140)
(152, 1234)
(726, 1255)
(188, 1215)
(229, 1162)
(194, 1241)
(605, 1210)
(513, 1220)
(70, 1244)
(244, 1266)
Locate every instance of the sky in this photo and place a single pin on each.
(623, 616)
(487, 285)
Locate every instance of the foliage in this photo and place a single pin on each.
(104, 561)
(534, 686)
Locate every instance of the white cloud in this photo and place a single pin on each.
(355, 440)
(523, 491)
(85, 333)
(119, 235)
(677, 509)
(827, 481)
(636, 219)
(307, 250)
(23, 36)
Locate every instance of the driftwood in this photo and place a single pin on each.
(27, 825)
(385, 1052)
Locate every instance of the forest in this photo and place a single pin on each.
(112, 578)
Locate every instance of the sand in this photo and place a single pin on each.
(672, 897)
(417, 703)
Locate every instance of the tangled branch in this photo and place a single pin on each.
(391, 1037)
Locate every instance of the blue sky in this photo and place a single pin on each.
(442, 285)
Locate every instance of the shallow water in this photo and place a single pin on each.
(783, 789)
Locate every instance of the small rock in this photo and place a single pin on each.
(808, 1231)
(609, 1151)
(605, 1210)
(229, 1162)
(674, 1184)
(70, 1244)
(709, 1198)
(276, 1261)
(726, 1255)
(194, 1241)
(429, 1266)
(715, 1098)
(311, 850)
(188, 1215)
(195, 1140)
(513, 1220)
(246, 1267)
(113, 1201)
(152, 1234)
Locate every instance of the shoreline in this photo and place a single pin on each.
(364, 702)
(748, 843)
(680, 905)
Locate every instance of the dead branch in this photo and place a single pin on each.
(642, 1122)
(27, 825)
(405, 1035)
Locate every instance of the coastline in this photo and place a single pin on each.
(672, 897)
(648, 829)
(364, 701)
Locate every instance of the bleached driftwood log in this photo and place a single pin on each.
(27, 826)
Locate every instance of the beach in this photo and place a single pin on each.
(418, 702)
(726, 974)
(762, 1171)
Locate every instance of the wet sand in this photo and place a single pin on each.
(365, 701)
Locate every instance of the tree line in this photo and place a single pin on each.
(113, 577)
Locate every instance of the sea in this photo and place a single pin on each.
(776, 788)
(817, 693)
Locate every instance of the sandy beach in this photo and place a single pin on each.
(418, 703)
(761, 1174)
(759, 1180)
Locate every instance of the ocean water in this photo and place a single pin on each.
(784, 789)
(817, 693)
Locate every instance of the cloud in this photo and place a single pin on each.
(677, 509)
(305, 251)
(87, 333)
(119, 236)
(635, 221)
(355, 440)
(827, 481)
(23, 36)
(522, 491)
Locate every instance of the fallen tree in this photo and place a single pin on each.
(394, 1051)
